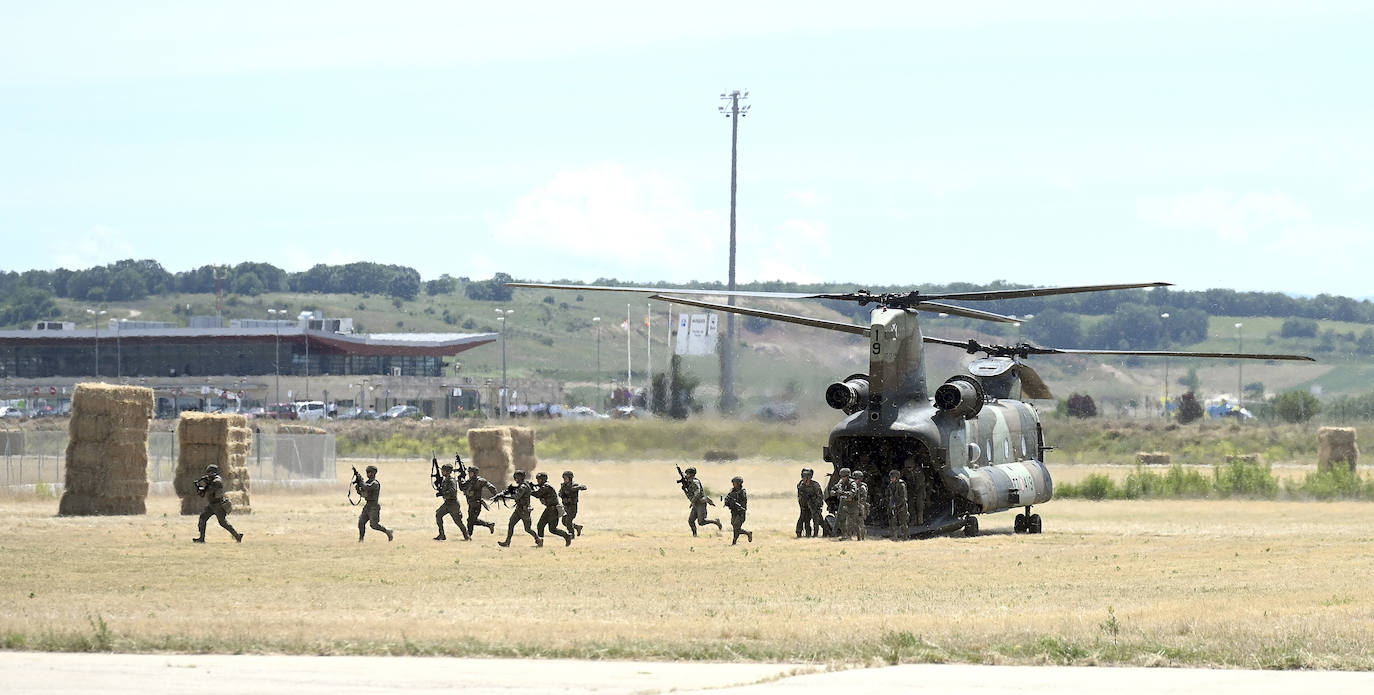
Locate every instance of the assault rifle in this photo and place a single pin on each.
(435, 475)
(462, 469)
(357, 484)
(507, 494)
(201, 484)
(682, 480)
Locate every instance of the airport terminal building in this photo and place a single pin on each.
(257, 361)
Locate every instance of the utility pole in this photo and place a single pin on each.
(727, 354)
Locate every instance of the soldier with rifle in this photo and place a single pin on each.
(898, 515)
(696, 495)
(810, 499)
(568, 493)
(473, 485)
(737, 501)
(211, 487)
(848, 495)
(370, 491)
(447, 488)
(861, 493)
(553, 508)
(519, 493)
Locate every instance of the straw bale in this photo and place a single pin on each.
(126, 488)
(122, 402)
(73, 504)
(1152, 458)
(499, 451)
(239, 500)
(105, 428)
(300, 429)
(1336, 445)
(522, 445)
(1243, 458)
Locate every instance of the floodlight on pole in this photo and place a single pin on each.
(501, 316)
(596, 321)
(727, 357)
(1165, 317)
(1240, 366)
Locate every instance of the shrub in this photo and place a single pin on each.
(1296, 406)
(1239, 478)
(1081, 405)
(1189, 410)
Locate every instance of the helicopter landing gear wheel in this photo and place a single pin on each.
(971, 526)
(1033, 524)
(1020, 525)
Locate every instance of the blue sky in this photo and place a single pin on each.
(1209, 144)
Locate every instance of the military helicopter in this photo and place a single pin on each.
(975, 445)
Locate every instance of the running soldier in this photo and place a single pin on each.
(810, 500)
(737, 501)
(845, 490)
(898, 516)
(473, 486)
(211, 487)
(448, 489)
(696, 494)
(861, 528)
(568, 494)
(519, 493)
(371, 492)
(553, 508)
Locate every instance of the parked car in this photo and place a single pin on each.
(357, 414)
(583, 412)
(281, 411)
(310, 410)
(396, 411)
(8, 412)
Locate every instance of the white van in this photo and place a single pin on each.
(310, 410)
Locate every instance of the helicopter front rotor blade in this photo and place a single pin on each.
(657, 290)
(1174, 353)
(965, 312)
(760, 313)
(1040, 291)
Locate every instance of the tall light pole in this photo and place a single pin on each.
(502, 314)
(1239, 366)
(727, 354)
(95, 323)
(596, 321)
(119, 350)
(276, 352)
(1165, 321)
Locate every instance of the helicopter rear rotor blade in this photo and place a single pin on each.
(1026, 350)
(760, 313)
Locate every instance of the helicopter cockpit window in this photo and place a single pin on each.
(973, 453)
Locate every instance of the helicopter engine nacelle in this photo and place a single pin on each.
(850, 395)
(961, 396)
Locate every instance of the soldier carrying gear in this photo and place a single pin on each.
(519, 493)
(371, 492)
(448, 489)
(568, 494)
(861, 528)
(737, 501)
(810, 500)
(553, 508)
(696, 495)
(473, 486)
(915, 479)
(848, 493)
(898, 516)
(211, 487)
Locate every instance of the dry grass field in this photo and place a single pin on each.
(1232, 583)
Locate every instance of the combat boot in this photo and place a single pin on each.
(578, 529)
(538, 542)
(238, 537)
(390, 536)
(503, 544)
(567, 540)
(442, 537)
(751, 535)
(198, 540)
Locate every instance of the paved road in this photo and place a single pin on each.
(141, 674)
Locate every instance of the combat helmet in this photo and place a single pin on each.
(446, 467)
(541, 476)
(567, 474)
(519, 473)
(844, 472)
(807, 472)
(371, 469)
(212, 468)
(737, 479)
(691, 470)
(857, 474)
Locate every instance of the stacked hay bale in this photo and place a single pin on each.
(1152, 458)
(223, 440)
(499, 451)
(1336, 444)
(107, 451)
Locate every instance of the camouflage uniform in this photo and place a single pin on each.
(448, 489)
(861, 528)
(473, 486)
(737, 501)
(553, 509)
(810, 500)
(521, 497)
(898, 517)
(217, 506)
(916, 492)
(568, 494)
(848, 495)
(696, 494)
(371, 492)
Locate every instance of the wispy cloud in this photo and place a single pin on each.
(99, 246)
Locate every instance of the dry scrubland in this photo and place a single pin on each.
(1236, 583)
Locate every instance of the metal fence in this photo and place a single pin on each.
(28, 459)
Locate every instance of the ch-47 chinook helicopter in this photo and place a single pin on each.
(978, 448)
